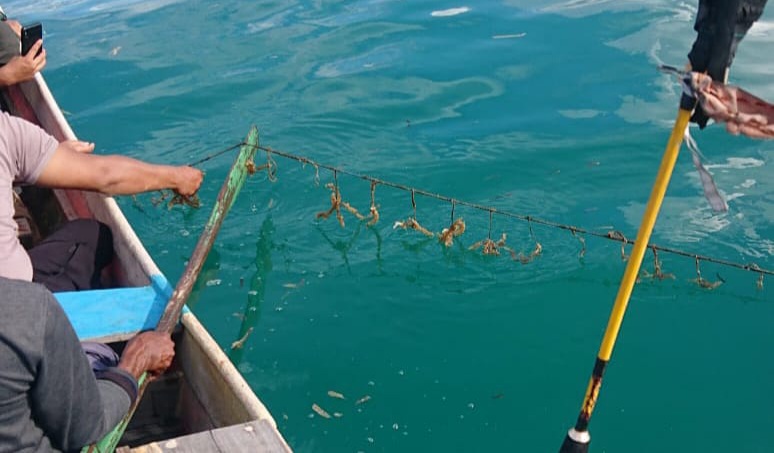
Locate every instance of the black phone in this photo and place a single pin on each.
(30, 35)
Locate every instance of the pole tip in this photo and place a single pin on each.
(576, 442)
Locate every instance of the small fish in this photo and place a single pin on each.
(362, 400)
(515, 35)
(294, 285)
(338, 414)
(320, 411)
(334, 394)
(706, 284)
(450, 12)
(114, 51)
(241, 342)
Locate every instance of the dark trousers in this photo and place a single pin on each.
(73, 257)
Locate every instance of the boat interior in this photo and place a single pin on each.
(201, 390)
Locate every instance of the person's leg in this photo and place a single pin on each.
(10, 45)
(72, 258)
(100, 355)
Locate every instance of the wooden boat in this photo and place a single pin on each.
(202, 401)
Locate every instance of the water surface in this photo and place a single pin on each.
(552, 109)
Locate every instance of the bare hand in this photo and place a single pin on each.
(23, 68)
(188, 180)
(149, 351)
(78, 146)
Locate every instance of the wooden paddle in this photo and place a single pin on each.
(228, 193)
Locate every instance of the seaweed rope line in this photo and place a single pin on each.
(216, 154)
(411, 223)
(612, 235)
(582, 241)
(374, 208)
(658, 273)
(193, 201)
(574, 230)
(490, 247)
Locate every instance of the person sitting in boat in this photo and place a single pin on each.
(52, 399)
(29, 155)
(15, 68)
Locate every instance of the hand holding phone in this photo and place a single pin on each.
(30, 35)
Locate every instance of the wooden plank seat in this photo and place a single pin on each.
(114, 314)
(254, 437)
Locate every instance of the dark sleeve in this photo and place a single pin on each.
(72, 407)
(720, 26)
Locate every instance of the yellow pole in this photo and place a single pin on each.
(578, 438)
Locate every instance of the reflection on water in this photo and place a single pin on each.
(256, 294)
(342, 246)
(208, 276)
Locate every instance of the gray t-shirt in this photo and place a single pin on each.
(50, 399)
(25, 150)
(10, 45)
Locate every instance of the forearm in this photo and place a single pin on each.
(68, 403)
(6, 77)
(126, 176)
(74, 167)
(115, 405)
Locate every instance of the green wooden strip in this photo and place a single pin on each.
(226, 197)
(225, 200)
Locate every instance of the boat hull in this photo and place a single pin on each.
(202, 391)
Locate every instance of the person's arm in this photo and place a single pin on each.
(72, 406)
(23, 68)
(149, 351)
(68, 403)
(71, 168)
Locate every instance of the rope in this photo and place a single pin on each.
(215, 154)
(612, 235)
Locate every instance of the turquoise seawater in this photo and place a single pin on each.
(552, 109)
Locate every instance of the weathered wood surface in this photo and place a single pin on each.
(258, 436)
(228, 193)
(217, 384)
